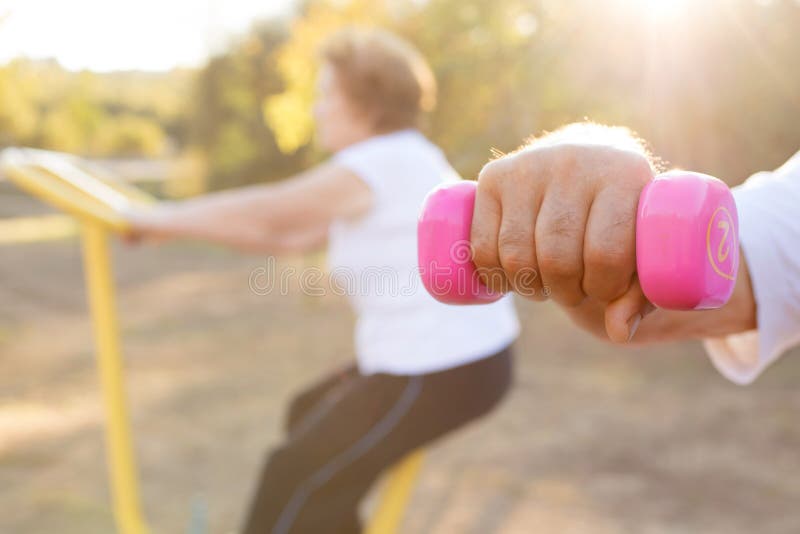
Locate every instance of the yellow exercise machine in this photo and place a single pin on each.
(97, 204)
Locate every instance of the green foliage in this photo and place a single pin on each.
(115, 114)
(130, 135)
(18, 114)
(227, 120)
(712, 84)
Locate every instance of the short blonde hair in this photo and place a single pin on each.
(383, 75)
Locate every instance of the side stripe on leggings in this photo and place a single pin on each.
(321, 409)
(379, 431)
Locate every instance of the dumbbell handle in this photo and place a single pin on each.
(687, 251)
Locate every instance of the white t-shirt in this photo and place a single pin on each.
(400, 329)
(769, 233)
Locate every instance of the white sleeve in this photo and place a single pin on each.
(367, 160)
(769, 234)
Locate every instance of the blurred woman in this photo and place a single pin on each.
(422, 369)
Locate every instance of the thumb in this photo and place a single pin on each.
(623, 315)
(131, 238)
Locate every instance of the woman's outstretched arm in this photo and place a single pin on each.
(289, 216)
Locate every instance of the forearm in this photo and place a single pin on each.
(253, 218)
(292, 215)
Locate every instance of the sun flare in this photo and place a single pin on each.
(662, 10)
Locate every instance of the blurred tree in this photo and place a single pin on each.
(488, 58)
(131, 135)
(289, 112)
(109, 114)
(483, 53)
(17, 110)
(713, 84)
(226, 118)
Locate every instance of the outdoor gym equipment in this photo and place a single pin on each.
(97, 204)
(687, 250)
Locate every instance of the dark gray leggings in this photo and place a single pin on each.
(345, 430)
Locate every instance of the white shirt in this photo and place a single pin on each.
(400, 329)
(769, 233)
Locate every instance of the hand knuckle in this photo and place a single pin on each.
(563, 224)
(515, 244)
(483, 253)
(557, 265)
(492, 173)
(515, 259)
(637, 169)
(606, 259)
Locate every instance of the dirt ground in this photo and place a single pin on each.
(593, 439)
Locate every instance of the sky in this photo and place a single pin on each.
(106, 35)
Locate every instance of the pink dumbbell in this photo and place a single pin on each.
(687, 251)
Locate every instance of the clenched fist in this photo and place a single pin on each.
(557, 220)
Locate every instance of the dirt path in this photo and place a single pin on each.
(593, 439)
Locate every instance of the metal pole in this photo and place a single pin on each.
(395, 496)
(120, 456)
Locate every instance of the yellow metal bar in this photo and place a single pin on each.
(63, 196)
(36, 229)
(121, 463)
(395, 495)
(59, 181)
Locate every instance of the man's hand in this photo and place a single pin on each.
(557, 220)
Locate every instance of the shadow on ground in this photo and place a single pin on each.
(593, 439)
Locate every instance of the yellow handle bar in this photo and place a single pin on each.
(60, 181)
